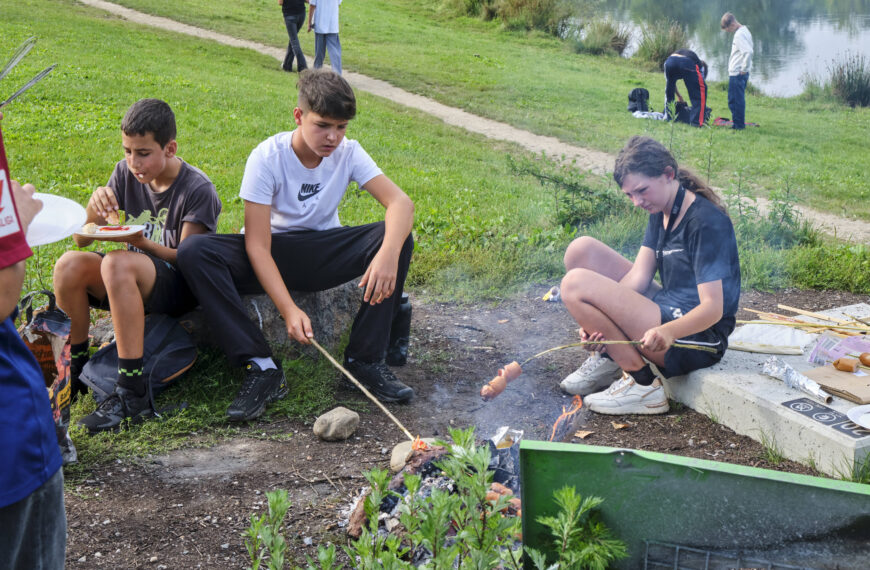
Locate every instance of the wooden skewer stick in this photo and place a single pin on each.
(634, 342)
(359, 385)
(813, 315)
(810, 325)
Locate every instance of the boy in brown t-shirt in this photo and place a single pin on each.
(178, 201)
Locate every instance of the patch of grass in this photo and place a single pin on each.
(603, 36)
(850, 80)
(659, 40)
(771, 452)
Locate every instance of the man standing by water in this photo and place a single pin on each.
(739, 65)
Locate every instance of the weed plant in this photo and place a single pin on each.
(850, 80)
(264, 538)
(603, 36)
(659, 40)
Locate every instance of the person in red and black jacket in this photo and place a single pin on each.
(686, 65)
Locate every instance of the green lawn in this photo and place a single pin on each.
(535, 82)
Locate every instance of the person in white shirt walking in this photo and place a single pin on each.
(323, 19)
(739, 65)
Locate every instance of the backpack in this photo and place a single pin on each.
(168, 352)
(638, 100)
(46, 332)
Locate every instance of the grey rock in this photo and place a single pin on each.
(331, 312)
(336, 424)
(103, 331)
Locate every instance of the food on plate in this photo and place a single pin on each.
(114, 228)
(89, 228)
(865, 358)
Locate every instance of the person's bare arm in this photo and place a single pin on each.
(705, 315)
(311, 9)
(258, 245)
(379, 278)
(12, 277)
(642, 271)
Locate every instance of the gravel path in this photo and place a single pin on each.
(592, 160)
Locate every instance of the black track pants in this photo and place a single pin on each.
(217, 269)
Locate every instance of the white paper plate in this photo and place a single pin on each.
(860, 415)
(110, 234)
(59, 218)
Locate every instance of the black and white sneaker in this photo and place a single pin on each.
(112, 411)
(259, 388)
(379, 380)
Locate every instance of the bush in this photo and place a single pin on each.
(604, 36)
(659, 40)
(550, 16)
(850, 80)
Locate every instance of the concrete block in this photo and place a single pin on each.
(736, 394)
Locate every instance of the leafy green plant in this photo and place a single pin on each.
(659, 40)
(580, 540)
(264, 538)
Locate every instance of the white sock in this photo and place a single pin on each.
(264, 363)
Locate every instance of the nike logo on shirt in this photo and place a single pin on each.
(308, 191)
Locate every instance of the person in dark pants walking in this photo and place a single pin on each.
(739, 65)
(293, 240)
(294, 19)
(686, 65)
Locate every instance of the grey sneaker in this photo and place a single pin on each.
(625, 396)
(120, 405)
(593, 375)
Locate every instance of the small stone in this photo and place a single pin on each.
(83, 559)
(225, 545)
(308, 541)
(336, 425)
(98, 554)
(153, 559)
(107, 521)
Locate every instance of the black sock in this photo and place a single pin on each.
(130, 375)
(644, 376)
(79, 356)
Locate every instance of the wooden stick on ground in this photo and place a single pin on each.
(813, 315)
(359, 385)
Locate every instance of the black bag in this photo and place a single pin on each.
(167, 354)
(638, 100)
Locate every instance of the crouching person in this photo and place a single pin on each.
(292, 186)
(690, 243)
(31, 479)
(180, 201)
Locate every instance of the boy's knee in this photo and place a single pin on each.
(573, 284)
(192, 248)
(73, 268)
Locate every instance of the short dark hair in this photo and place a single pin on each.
(326, 93)
(150, 116)
(727, 19)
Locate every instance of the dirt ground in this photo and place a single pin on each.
(188, 509)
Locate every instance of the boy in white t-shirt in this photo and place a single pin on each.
(292, 239)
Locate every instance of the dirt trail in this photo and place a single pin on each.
(592, 160)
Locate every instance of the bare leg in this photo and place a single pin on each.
(129, 277)
(600, 304)
(76, 274)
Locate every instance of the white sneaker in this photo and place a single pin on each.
(593, 375)
(626, 396)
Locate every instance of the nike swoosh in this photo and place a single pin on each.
(303, 197)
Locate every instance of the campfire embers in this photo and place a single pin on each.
(566, 422)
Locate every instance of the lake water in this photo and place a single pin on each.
(792, 37)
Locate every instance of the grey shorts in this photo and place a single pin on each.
(170, 296)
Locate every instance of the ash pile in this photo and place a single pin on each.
(438, 473)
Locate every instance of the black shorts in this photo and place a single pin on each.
(170, 295)
(680, 361)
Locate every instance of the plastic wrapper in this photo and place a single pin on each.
(776, 368)
(504, 448)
